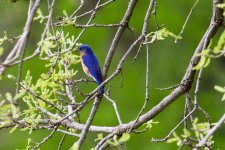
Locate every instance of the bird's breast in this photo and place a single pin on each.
(86, 70)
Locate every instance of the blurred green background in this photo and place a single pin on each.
(168, 62)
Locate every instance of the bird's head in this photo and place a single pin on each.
(85, 49)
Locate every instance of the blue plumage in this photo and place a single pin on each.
(90, 64)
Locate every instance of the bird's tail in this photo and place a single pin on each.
(102, 88)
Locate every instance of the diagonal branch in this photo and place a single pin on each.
(211, 131)
(118, 35)
(21, 43)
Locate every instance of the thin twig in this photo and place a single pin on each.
(138, 52)
(95, 9)
(115, 108)
(61, 141)
(168, 88)
(46, 30)
(21, 43)
(55, 116)
(185, 23)
(45, 139)
(68, 133)
(197, 86)
(222, 53)
(146, 87)
(80, 6)
(172, 131)
(91, 25)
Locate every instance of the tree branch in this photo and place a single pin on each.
(118, 35)
(211, 132)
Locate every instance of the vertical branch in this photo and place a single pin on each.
(89, 121)
(144, 32)
(21, 51)
(15, 101)
(146, 87)
(69, 93)
(197, 86)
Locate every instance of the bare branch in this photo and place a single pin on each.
(45, 139)
(118, 35)
(115, 108)
(21, 43)
(89, 121)
(211, 132)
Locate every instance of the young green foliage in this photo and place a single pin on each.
(221, 90)
(116, 141)
(161, 35)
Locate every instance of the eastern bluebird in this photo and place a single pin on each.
(90, 64)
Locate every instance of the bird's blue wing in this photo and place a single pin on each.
(91, 62)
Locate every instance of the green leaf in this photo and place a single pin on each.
(171, 140)
(65, 13)
(11, 76)
(1, 51)
(220, 44)
(13, 129)
(204, 61)
(203, 127)
(219, 88)
(207, 62)
(28, 78)
(175, 138)
(39, 16)
(5, 108)
(125, 137)
(8, 97)
(14, 110)
(222, 5)
(74, 147)
(162, 34)
(223, 98)
(31, 130)
(29, 140)
(186, 133)
(195, 121)
(99, 137)
(2, 101)
(150, 123)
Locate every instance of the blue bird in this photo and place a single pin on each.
(90, 64)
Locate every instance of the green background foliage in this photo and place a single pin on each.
(168, 62)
